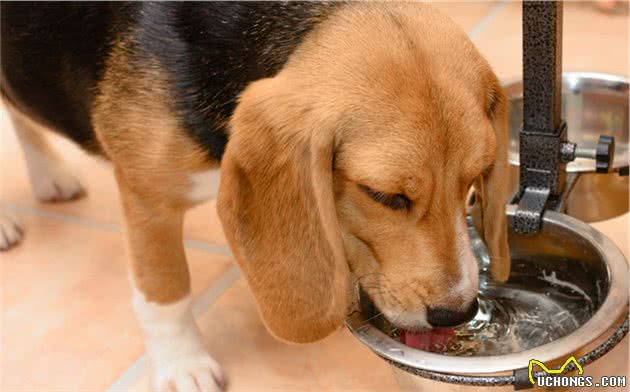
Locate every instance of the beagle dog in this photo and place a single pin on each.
(347, 136)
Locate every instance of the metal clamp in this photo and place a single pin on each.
(542, 175)
(544, 150)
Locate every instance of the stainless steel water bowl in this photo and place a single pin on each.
(568, 263)
(593, 104)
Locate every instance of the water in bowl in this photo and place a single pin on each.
(520, 315)
(512, 320)
(547, 297)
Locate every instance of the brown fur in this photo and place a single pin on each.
(492, 193)
(279, 213)
(390, 96)
(379, 101)
(153, 159)
(412, 117)
(408, 119)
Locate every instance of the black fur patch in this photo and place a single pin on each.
(53, 56)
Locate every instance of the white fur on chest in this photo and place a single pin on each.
(204, 185)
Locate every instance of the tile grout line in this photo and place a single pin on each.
(103, 226)
(201, 304)
(204, 300)
(488, 18)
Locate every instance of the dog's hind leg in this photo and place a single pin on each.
(51, 180)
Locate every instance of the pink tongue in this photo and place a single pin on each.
(428, 339)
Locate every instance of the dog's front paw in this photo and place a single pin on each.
(54, 184)
(199, 373)
(10, 232)
(175, 347)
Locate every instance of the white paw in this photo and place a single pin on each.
(198, 373)
(10, 232)
(56, 184)
(175, 347)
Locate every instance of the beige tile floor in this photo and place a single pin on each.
(66, 319)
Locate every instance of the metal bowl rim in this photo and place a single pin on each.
(612, 309)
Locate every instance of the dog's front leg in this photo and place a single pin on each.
(162, 294)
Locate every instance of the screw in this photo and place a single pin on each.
(589, 153)
(567, 152)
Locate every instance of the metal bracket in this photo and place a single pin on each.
(529, 214)
(544, 150)
(542, 160)
(542, 176)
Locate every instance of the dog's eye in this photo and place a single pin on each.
(395, 201)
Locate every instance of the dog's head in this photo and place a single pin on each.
(358, 157)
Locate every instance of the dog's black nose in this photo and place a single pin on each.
(444, 317)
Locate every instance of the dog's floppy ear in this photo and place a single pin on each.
(492, 192)
(277, 208)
